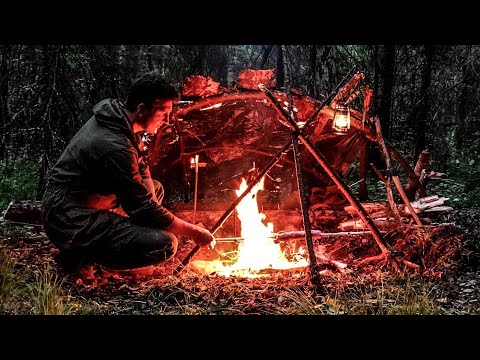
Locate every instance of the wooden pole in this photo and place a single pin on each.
(196, 189)
(397, 182)
(300, 183)
(362, 190)
(363, 157)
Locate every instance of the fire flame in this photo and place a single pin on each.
(257, 251)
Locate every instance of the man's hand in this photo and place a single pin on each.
(201, 236)
(204, 237)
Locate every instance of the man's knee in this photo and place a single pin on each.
(168, 248)
(173, 245)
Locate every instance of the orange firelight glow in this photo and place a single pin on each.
(257, 251)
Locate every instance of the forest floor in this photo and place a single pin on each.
(444, 282)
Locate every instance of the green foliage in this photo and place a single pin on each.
(461, 183)
(18, 181)
(355, 53)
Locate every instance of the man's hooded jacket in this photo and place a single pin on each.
(100, 169)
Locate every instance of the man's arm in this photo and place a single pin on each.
(201, 236)
(139, 203)
(127, 183)
(144, 171)
(148, 182)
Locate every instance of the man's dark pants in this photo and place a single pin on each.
(103, 236)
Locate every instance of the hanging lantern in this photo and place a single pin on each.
(341, 118)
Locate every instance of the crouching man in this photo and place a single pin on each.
(100, 203)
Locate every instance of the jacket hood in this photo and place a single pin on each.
(110, 113)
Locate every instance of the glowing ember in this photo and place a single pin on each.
(258, 250)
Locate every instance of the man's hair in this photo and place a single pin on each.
(147, 89)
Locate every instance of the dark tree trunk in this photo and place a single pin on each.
(111, 70)
(267, 50)
(425, 103)
(232, 58)
(323, 77)
(468, 77)
(5, 51)
(280, 73)
(48, 58)
(376, 75)
(217, 63)
(312, 68)
(149, 57)
(131, 57)
(200, 60)
(388, 71)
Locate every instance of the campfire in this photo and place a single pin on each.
(257, 249)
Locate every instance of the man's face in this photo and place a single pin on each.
(159, 114)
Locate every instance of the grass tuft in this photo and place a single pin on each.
(47, 296)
